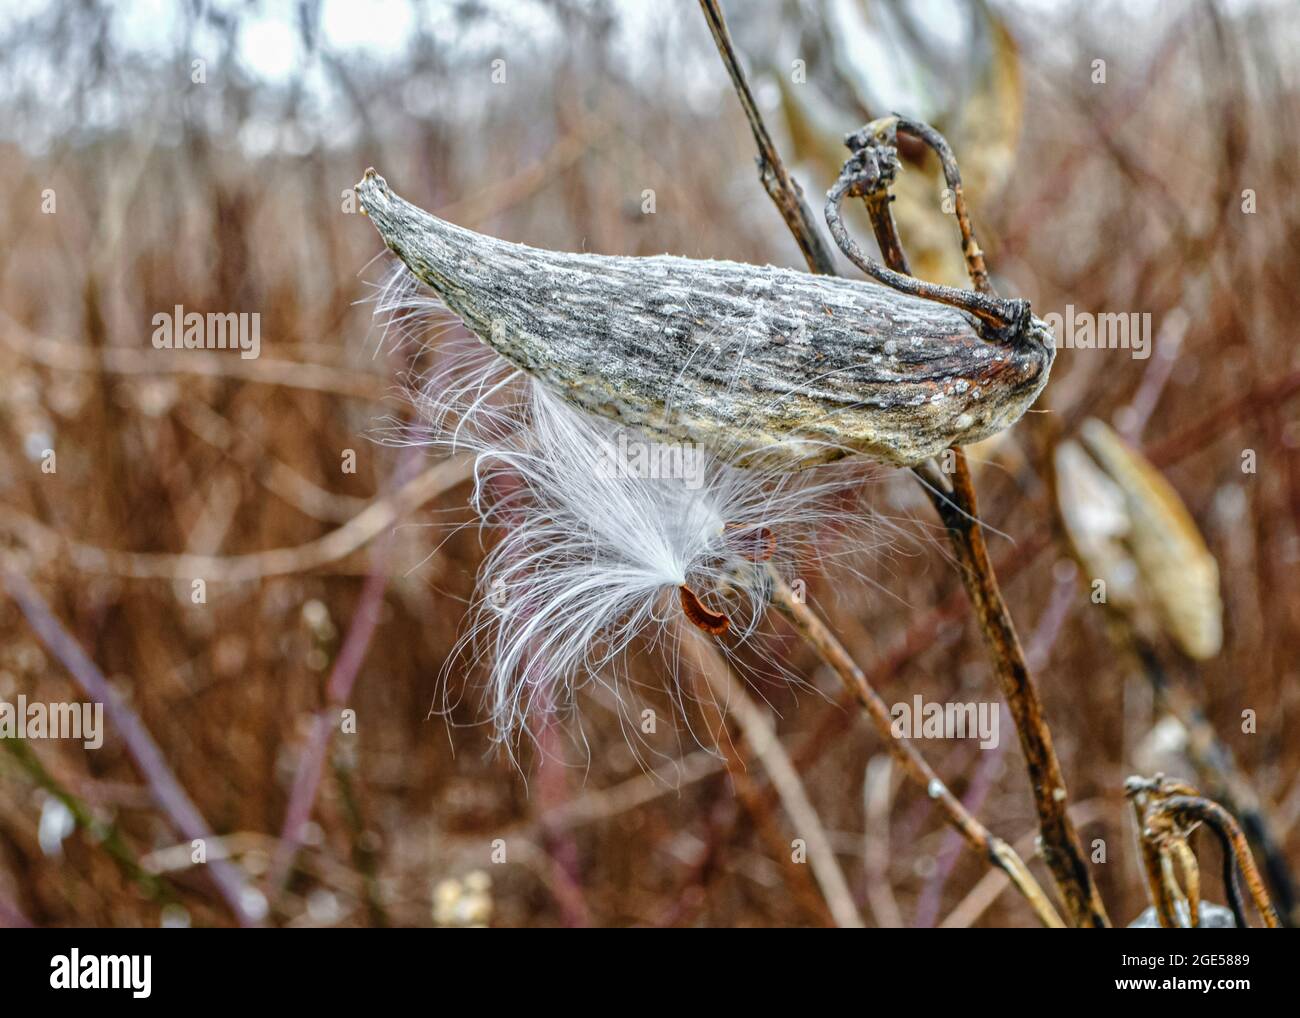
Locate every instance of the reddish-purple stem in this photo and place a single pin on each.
(306, 782)
(12, 917)
(560, 845)
(163, 785)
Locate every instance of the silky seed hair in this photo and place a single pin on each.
(601, 537)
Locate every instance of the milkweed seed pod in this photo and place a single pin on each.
(601, 539)
(1095, 514)
(759, 365)
(1176, 573)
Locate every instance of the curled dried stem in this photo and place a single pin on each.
(1168, 812)
(867, 174)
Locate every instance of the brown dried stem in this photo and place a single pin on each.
(959, 509)
(783, 189)
(45, 543)
(166, 790)
(65, 355)
(1153, 871)
(1061, 849)
(311, 766)
(1216, 765)
(992, 848)
(755, 726)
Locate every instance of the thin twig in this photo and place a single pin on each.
(121, 360)
(558, 843)
(761, 811)
(272, 473)
(604, 804)
(993, 849)
(377, 517)
(759, 733)
(877, 798)
(986, 774)
(106, 835)
(338, 689)
(500, 196)
(783, 189)
(988, 888)
(12, 917)
(1207, 429)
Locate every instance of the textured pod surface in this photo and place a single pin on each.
(1178, 571)
(756, 363)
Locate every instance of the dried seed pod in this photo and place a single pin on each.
(1178, 573)
(1095, 513)
(756, 364)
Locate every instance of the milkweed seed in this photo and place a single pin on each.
(713, 623)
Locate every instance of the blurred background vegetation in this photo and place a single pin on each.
(201, 154)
